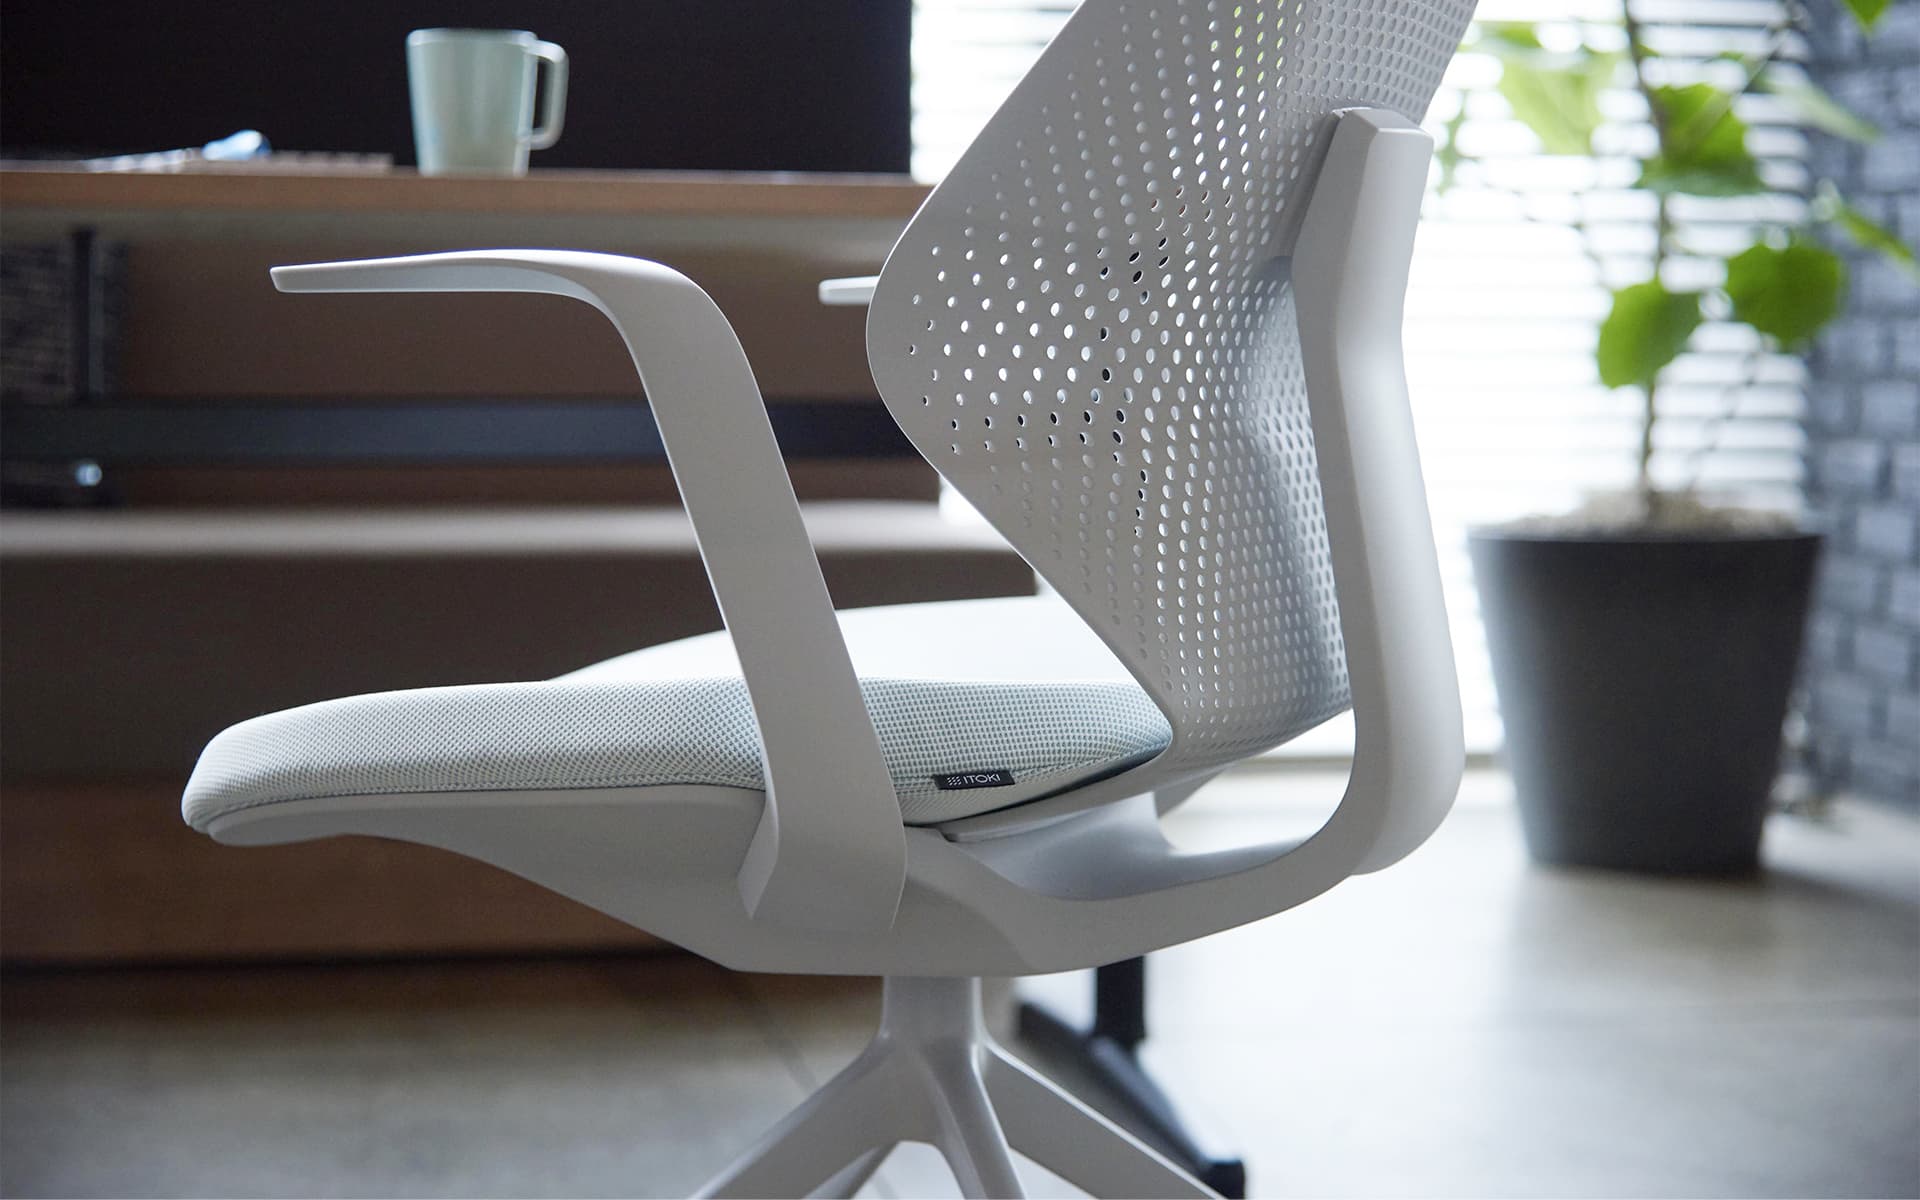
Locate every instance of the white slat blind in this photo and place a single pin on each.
(1507, 291)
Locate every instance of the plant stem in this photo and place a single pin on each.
(1578, 225)
(1643, 476)
(1730, 398)
(1690, 132)
(1662, 245)
(1637, 54)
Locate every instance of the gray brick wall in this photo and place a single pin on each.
(1863, 433)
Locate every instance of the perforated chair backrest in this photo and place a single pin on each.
(1089, 331)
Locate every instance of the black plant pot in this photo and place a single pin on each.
(1643, 683)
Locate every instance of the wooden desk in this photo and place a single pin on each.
(131, 638)
(204, 323)
(627, 195)
(203, 319)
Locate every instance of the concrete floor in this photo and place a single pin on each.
(1461, 1025)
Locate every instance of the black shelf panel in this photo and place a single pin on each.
(128, 431)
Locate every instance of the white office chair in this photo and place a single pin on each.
(1150, 327)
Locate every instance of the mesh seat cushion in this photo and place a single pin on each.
(593, 733)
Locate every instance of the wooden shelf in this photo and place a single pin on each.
(404, 191)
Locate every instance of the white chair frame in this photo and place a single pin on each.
(1046, 886)
(826, 879)
(1226, 162)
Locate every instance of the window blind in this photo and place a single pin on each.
(1515, 262)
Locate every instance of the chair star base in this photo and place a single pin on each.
(933, 1074)
(1107, 1053)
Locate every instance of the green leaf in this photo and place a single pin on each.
(1867, 12)
(1646, 329)
(1788, 293)
(1558, 96)
(1703, 149)
(1815, 108)
(1871, 235)
(1515, 35)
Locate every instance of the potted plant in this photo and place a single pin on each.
(1644, 646)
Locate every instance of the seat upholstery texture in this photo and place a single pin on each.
(594, 731)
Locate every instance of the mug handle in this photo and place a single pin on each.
(554, 96)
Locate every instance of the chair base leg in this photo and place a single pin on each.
(1107, 1053)
(852, 1177)
(932, 1074)
(818, 1145)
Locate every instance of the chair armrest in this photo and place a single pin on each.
(830, 850)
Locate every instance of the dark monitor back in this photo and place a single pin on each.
(666, 84)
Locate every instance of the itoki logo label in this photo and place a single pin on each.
(979, 778)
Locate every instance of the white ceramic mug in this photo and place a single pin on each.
(473, 92)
